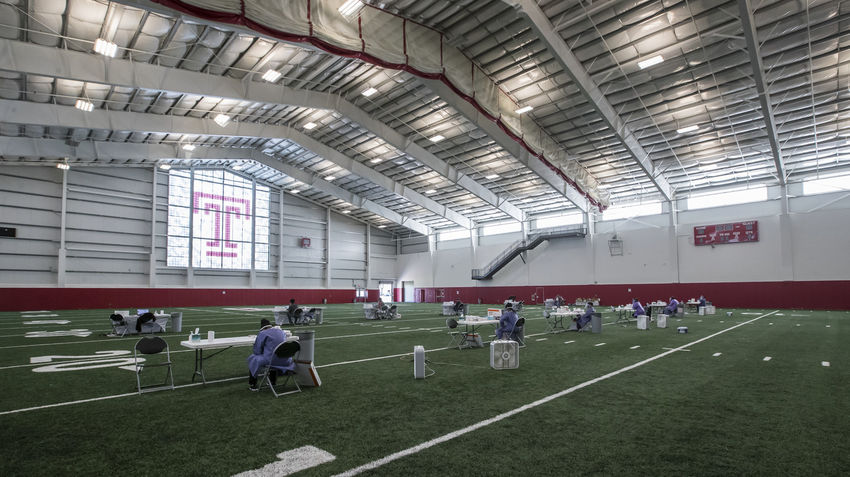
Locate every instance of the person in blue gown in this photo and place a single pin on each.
(267, 341)
(637, 307)
(507, 323)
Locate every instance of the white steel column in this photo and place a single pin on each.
(280, 241)
(61, 258)
(674, 240)
(591, 232)
(190, 270)
(252, 274)
(785, 237)
(152, 265)
(368, 254)
(328, 248)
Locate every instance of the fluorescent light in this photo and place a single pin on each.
(350, 8)
(105, 48)
(63, 166)
(524, 109)
(329, 178)
(369, 92)
(294, 191)
(346, 211)
(688, 129)
(188, 147)
(708, 167)
(376, 160)
(310, 125)
(84, 105)
(382, 226)
(492, 176)
(437, 138)
(238, 166)
(222, 119)
(165, 167)
(651, 61)
(271, 75)
(430, 191)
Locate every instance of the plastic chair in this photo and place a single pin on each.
(518, 332)
(284, 350)
(149, 347)
(458, 337)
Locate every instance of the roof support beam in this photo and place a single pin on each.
(77, 66)
(751, 36)
(596, 98)
(67, 116)
(107, 151)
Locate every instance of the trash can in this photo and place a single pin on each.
(596, 323)
(324, 301)
(319, 316)
(177, 322)
(305, 339)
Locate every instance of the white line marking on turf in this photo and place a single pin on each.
(541, 339)
(599, 344)
(290, 462)
(40, 316)
(674, 349)
(828, 326)
(505, 415)
(824, 363)
(766, 358)
(770, 323)
(800, 315)
(716, 354)
(568, 342)
(46, 322)
(37, 311)
(751, 313)
(798, 324)
(635, 347)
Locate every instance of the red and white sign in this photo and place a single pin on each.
(736, 232)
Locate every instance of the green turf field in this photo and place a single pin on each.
(623, 402)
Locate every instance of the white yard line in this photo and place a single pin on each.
(505, 415)
(767, 358)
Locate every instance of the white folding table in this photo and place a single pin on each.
(220, 344)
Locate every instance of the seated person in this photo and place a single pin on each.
(701, 300)
(267, 340)
(458, 307)
(559, 301)
(381, 305)
(507, 323)
(290, 312)
(637, 307)
(585, 317)
(672, 307)
(304, 316)
(146, 317)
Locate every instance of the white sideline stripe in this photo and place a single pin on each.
(635, 347)
(290, 462)
(800, 315)
(716, 354)
(824, 363)
(766, 358)
(466, 430)
(541, 339)
(568, 342)
(674, 349)
(599, 344)
(770, 323)
(37, 311)
(828, 326)
(751, 313)
(39, 316)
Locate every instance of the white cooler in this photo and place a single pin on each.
(642, 322)
(504, 354)
(661, 321)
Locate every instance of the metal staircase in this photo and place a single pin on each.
(520, 246)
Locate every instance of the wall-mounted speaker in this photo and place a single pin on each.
(8, 232)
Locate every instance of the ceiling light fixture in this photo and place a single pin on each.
(238, 166)
(310, 125)
(271, 75)
(369, 92)
(376, 160)
(688, 129)
(188, 147)
(437, 138)
(524, 109)
(492, 176)
(650, 62)
(63, 166)
(165, 167)
(84, 105)
(346, 211)
(105, 48)
(294, 191)
(382, 226)
(329, 178)
(350, 8)
(222, 119)
(430, 191)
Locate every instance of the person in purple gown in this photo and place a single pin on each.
(267, 340)
(672, 307)
(637, 307)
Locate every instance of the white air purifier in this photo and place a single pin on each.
(661, 321)
(419, 362)
(504, 354)
(642, 322)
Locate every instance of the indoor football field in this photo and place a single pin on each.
(743, 392)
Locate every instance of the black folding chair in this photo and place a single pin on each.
(150, 347)
(286, 349)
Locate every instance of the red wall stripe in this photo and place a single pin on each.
(823, 295)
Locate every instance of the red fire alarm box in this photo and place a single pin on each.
(305, 242)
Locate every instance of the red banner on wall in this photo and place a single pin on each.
(736, 232)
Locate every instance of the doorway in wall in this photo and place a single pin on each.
(385, 291)
(408, 295)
